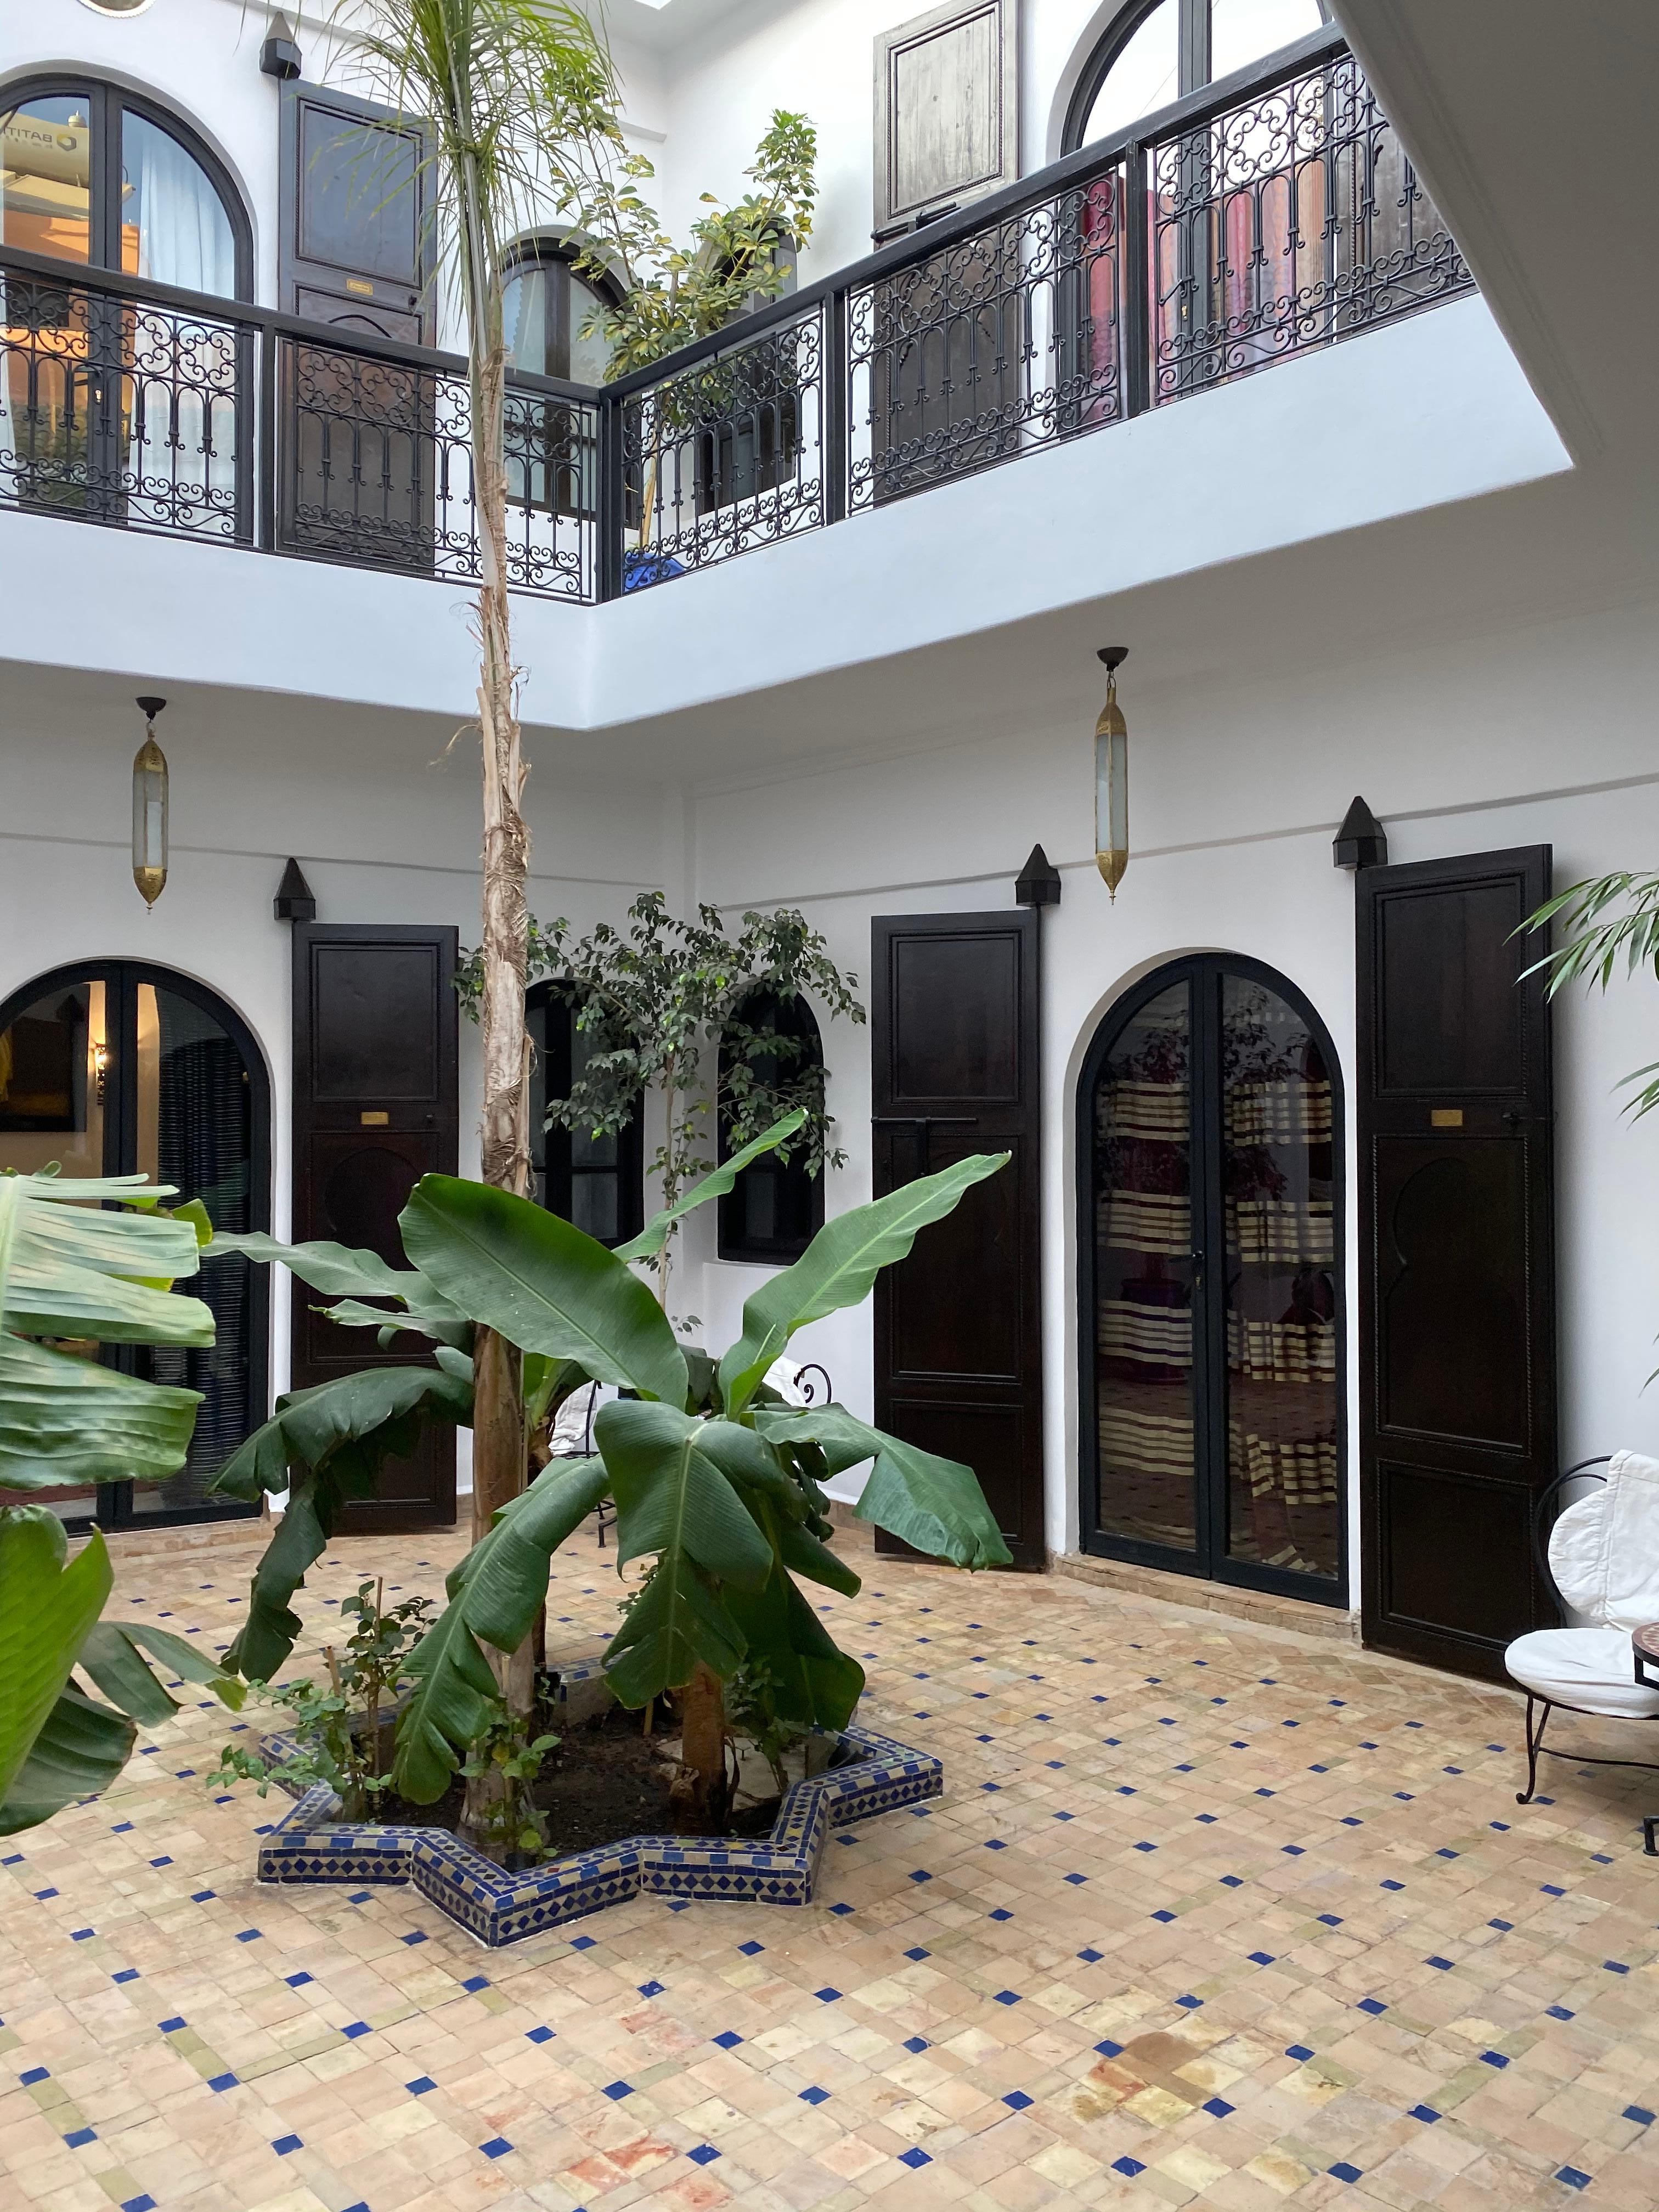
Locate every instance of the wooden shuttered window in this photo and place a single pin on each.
(946, 112)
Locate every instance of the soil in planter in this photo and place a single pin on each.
(605, 1782)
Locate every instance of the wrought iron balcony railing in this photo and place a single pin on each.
(1274, 213)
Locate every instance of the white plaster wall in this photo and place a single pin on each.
(1447, 416)
(818, 57)
(1462, 745)
(384, 826)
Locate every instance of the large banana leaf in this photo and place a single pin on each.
(669, 1473)
(541, 1284)
(79, 1750)
(70, 1267)
(336, 1269)
(47, 1604)
(116, 1656)
(353, 1278)
(838, 1268)
(494, 1595)
(309, 1426)
(812, 1682)
(934, 1504)
(65, 1420)
(673, 1478)
(799, 1549)
(675, 1621)
(654, 1235)
(325, 1446)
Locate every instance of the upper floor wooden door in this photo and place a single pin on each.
(1457, 1275)
(955, 1045)
(357, 245)
(375, 1108)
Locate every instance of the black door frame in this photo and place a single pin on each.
(905, 1125)
(340, 1117)
(1202, 972)
(121, 979)
(1458, 1461)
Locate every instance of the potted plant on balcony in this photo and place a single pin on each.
(735, 421)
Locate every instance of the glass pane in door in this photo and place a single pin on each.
(1277, 1171)
(55, 1067)
(195, 1130)
(1142, 1179)
(45, 176)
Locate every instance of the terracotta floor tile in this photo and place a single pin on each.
(1210, 1913)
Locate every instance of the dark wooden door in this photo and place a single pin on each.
(1457, 1281)
(956, 1034)
(356, 243)
(375, 1109)
(361, 461)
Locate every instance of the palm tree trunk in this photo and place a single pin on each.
(498, 1448)
(498, 1437)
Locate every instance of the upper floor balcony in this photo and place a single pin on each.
(1261, 222)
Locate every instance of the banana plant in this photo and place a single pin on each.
(717, 1484)
(723, 1498)
(325, 1446)
(89, 1260)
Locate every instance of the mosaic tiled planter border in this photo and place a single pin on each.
(307, 1845)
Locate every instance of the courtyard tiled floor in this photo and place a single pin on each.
(1206, 1915)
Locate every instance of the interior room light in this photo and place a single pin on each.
(149, 809)
(1112, 778)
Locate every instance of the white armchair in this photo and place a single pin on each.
(1603, 1561)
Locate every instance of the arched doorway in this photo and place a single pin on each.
(1211, 1414)
(117, 1067)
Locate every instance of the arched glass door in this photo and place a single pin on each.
(1209, 1150)
(116, 1067)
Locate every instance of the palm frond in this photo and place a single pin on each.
(483, 76)
(1593, 947)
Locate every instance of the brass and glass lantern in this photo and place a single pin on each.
(149, 809)
(1112, 778)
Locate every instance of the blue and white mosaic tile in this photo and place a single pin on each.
(875, 1775)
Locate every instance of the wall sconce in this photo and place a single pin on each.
(149, 809)
(1112, 778)
(100, 1067)
(279, 57)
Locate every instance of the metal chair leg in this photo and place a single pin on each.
(1535, 1744)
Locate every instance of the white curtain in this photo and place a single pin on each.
(184, 238)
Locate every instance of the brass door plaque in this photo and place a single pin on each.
(378, 1118)
(1440, 1117)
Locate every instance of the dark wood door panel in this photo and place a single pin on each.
(360, 1184)
(956, 1307)
(954, 1016)
(1457, 1290)
(376, 1026)
(1433, 1525)
(1454, 1355)
(991, 1439)
(1451, 1018)
(955, 1070)
(375, 1108)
